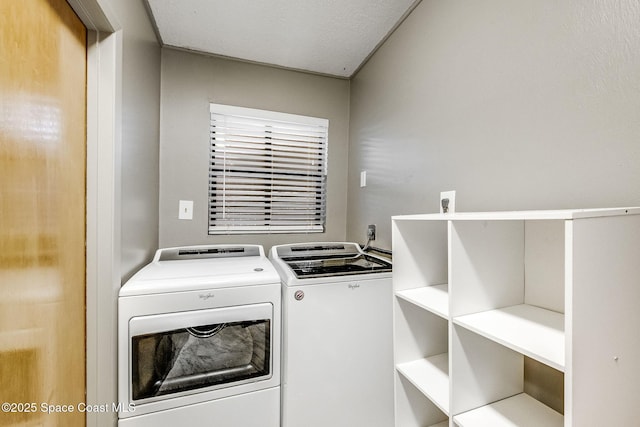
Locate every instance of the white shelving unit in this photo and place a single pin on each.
(520, 410)
(433, 298)
(431, 377)
(481, 296)
(533, 331)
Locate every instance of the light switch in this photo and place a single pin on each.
(185, 209)
(363, 178)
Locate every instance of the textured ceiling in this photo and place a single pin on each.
(331, 37)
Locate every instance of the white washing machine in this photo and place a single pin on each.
(199, 340)
(337, 336)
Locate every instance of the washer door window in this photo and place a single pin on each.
(179, 353)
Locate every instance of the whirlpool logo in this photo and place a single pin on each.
(353, 286)
(206, 296)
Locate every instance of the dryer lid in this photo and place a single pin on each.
(201, 267)
(207, 252)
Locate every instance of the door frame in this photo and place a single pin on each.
(103, 224)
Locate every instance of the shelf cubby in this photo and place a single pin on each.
(422, 363)
(421, 322)
(533, 331)
(498, 264)
(485, 372)
(432, 298)
(422, 247)
(414, 409)
(431, 376)
(520, 410)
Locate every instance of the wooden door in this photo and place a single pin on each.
(42, 213)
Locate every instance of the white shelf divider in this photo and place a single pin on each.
(431, 377)
(432, 298)
(520, 410)
(535, 332)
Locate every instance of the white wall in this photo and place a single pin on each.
(528, 104)
(190, 82)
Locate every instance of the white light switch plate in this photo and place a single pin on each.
(185, 209)
(363, 179)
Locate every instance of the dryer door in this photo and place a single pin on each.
(182, 353)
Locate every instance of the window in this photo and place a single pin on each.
(267, 172)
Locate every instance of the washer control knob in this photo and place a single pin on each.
(299, 295)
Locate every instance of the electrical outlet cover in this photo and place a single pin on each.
(371, 232)
(451, 205)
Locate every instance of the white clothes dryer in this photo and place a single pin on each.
(199, 340)
(337, 336)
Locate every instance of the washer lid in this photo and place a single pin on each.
(319, 249)
(336, 265)
(308, 261)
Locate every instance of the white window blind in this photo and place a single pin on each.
(267, 172)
